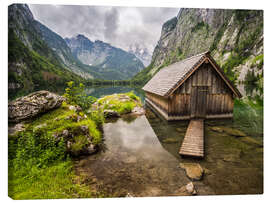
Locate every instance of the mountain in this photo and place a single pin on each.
(32, 64)
(110, 62)
(234, 37)
(141, 53)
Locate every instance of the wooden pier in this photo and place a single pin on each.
(193, 144)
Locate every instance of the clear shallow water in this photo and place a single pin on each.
(140, 157)
(232, 165)
(135, 162)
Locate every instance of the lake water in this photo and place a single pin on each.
(108, 90)
(140, 157)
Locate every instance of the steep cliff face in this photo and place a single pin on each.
(111, 62)
(234, 37)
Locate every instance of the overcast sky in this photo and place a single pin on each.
(119, 26)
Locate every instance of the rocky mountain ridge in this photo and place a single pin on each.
(110, 62)
(234, 37)
(41, 59)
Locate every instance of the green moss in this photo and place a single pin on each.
(121, 103)
(133, 96)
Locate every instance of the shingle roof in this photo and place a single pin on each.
(167, 77)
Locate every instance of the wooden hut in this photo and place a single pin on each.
(195, 87)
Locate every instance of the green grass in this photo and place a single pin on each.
(56, 121)
(52, 182)
(39, 164)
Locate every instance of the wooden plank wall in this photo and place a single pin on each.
(159, 101)
(219, 97)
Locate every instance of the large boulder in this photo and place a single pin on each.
(33, 104)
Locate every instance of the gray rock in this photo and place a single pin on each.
(110, 114)
(65, 133)
(32, 105)
(72, 108)
(138, 110)
(78, 109)
(84, 128)
(191, 189)
(12, 130)
(91, 149)
(79, 118)
(186, 190)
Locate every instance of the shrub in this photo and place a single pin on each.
(76, 95)
(39, 149)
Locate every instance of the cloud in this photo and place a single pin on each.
(119, 26)
(111, 23)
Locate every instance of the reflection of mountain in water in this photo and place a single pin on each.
(108, 90)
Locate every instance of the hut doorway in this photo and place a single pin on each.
(198, 101)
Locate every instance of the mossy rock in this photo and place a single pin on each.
(217, 129)
(193, 170)
(227, 130)
(252, 141)
(170, 140)
(121, 103)
(181, 130)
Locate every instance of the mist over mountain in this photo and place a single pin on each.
(140, 52)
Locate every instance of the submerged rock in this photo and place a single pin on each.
(233, 156)
(252, 141)
(33, 104)
(181, 130)
(228, 131)
(186, 190)
(170, 140)
(193, 170)
(233, 132)
(217, 129)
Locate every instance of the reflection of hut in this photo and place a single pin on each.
(192, 88)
